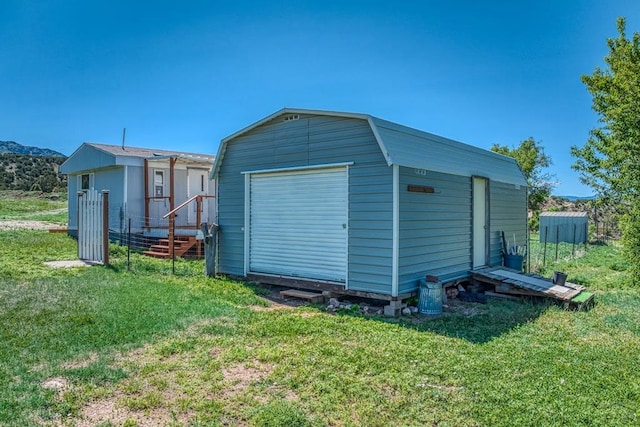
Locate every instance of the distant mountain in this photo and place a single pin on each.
(13, 147)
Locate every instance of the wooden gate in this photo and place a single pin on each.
(93, 226)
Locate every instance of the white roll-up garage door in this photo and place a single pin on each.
(298, 223)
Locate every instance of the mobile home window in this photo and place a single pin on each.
(158, 182)
(85, 181)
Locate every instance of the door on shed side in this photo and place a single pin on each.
(296, 224)
(480, 222)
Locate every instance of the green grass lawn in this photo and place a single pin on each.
(149, 347)
(33, 206)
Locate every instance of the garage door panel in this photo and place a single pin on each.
(298, 224)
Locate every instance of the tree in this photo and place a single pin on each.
(609, 162)
(532, 160)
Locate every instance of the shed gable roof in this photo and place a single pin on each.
(412, 148)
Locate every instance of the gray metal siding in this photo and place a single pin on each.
(435, 228)
(508, 213)
(556, 227)
(413, 148)
(315, 140)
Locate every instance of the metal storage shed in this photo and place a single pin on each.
(570, 227)
(355, 204)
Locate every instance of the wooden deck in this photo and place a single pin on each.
(512, 282)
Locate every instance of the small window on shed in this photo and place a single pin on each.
(291, 117)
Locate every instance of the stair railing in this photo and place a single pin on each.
(172, 219)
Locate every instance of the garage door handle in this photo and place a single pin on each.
(344, 226)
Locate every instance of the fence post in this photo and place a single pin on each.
(198, 219)
(171, 234)
(210, 235)
(129, 245)
(546, 236)
(78, 220)
(105, 227)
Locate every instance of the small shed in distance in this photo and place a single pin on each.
(569, 227)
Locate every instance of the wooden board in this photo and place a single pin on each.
(510, 281)
(312, 297)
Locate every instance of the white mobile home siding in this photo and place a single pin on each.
(103, 179)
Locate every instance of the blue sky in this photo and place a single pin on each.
(183, 75)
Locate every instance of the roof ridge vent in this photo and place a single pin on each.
(291, 117)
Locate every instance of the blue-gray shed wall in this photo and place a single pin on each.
(508, 213)
(315, 140)
(435, 228)
(436, 232)
(435, 235)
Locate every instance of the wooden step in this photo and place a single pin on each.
(181, 245)
(312, 297)
(155, 254)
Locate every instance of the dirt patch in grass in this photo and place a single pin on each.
(23, 224)
(108, 410)
(239, 377)
(80, 363)
(58, 383)
(272, 306)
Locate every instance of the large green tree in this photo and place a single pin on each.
(609, 162)
(533, 161)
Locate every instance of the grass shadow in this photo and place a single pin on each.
(477, 323)
(473, 322)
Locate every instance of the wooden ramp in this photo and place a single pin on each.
(512, 282)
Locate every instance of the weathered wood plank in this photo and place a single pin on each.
(312, 297)
(513, 282)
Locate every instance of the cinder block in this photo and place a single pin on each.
(392, 311)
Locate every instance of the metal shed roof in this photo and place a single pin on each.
(564, 214)
(413, 148)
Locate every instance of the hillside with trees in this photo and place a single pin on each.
(31, 173)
